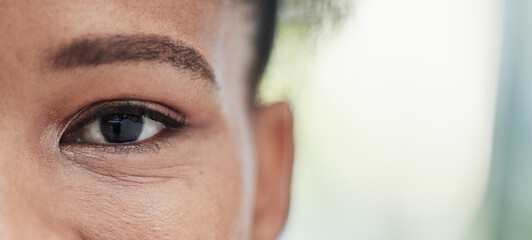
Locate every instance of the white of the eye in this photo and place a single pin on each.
(93, 133)
(150, 128)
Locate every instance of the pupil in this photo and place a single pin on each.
(121, 128)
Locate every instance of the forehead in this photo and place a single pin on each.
(191, 21)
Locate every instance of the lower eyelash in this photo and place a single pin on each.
(153, 146)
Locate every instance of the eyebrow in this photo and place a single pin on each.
(130, 48)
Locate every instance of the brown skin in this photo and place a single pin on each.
(225, 175)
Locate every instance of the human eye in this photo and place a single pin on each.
(121, 125)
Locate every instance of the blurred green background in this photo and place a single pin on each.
(411, 118)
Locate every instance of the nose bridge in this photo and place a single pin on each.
(21, 215)
(11, 224)
(8, 179)
(13, 211)
(18, 216)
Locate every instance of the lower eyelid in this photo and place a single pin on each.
(101, 151)
(128, 169)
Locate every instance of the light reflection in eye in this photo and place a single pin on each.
(117, 129)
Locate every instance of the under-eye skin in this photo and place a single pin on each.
(121, 126)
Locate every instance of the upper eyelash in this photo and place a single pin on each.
(125, 107)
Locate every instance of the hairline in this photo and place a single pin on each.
(265, 12)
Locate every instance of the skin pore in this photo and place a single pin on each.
(210, 167)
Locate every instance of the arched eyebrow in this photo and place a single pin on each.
(94, 51)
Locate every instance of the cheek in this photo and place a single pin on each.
(201, 200)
